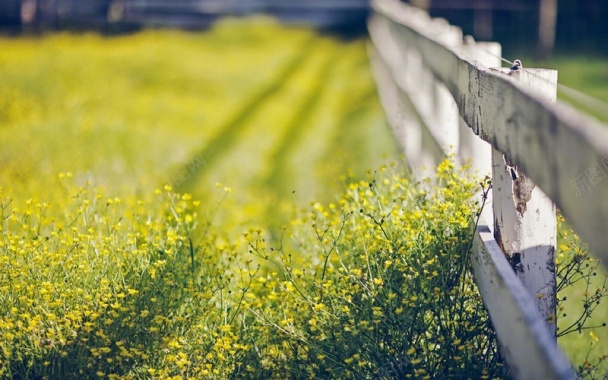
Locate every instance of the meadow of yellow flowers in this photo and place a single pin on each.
(198, 205)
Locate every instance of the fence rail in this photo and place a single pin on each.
(439, 91)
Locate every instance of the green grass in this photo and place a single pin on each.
(586, 74)
(580, 345)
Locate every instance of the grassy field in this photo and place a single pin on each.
(254, 120)
(274, 114)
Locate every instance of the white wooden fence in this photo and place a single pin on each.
(444, 93)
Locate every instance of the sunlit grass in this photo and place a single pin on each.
(124, 109)
(269, 110)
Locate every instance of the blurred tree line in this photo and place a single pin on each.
(567, 25)
(578, 25)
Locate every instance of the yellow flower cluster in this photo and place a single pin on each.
(102, 287)
(384, 289)
(375, 284)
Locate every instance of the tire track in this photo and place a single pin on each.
(314, 157)
(353, 134)
(277, 181)
(227, 136)
(296, 128)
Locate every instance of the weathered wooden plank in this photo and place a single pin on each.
(529, 348)
(408, 125)
(426, 114)
(562, 150)
(471, 147)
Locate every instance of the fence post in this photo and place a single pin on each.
(471, 145)
(524, 217)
